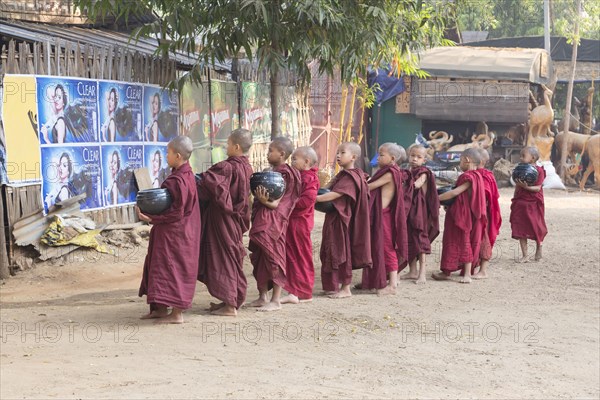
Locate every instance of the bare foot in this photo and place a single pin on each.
(173, 318)
(290, 299)
(421, 280)
(538, 253)
(408, 276)
(225, 311)
(260, 302)
(480, 275)
(160, 313)
(215, 306)
(271, 306)
(343, 293)
(523, 260)
(465, 279)
(440, 276)
(386, 291)
(329, 292)
(306, 300)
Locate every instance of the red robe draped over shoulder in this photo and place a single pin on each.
(224, 193)
(346, 242)
(527, 212)
(465, 224)
(298, 244)
(171, 265)
(423, 224)
(376, 276)
(268, 232)
(494, 217)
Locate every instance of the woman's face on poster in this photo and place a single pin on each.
(155, 105)
(114, 164)
(58, 99)
(156, 163)
(63, 169)
(111, 102)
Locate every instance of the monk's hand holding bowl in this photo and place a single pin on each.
(262, 194)
(521, 183)
(141, 216)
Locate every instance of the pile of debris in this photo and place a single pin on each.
(65, 229)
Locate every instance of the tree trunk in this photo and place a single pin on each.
(275, 105)
(567, 119)
(4, 271)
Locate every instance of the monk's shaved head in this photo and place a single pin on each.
(484, 156)
(533, 151)
(182, 145)
(353, 148)
(284, 145)
(472, 154)
(309, 153)
(242, 137)
(417, 147)
(395, 151)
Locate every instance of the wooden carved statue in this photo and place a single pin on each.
(540, 119)
(576, 144)
(593, 152)
(483, 139)
(586, 112)
(439, 141)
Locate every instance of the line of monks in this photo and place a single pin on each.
(379, 224)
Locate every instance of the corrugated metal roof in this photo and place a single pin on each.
(35, 32)
(511, 64)
(588, 49)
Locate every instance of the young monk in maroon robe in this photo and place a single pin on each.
(171, 265)
(465, 222)
(389, 241)
(494, 218)
(346, 243)
(527, 209)
(423, 217)
(224, 192)
(298, 245)
(269, 227)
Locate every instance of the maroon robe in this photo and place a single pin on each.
(494, 217)
(376, 276)
(171, 265)
(423, 224)
(298, 245)
(346, 242)
(527, 212)
(465, 224)
(268, 232)
(224, 192)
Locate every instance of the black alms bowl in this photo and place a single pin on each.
(272, 181)
(154, 201)
(326, 206)
(442, 190)
(525, 172)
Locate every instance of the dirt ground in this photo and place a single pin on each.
(531, 331)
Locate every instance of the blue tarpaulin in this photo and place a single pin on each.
(390, 85)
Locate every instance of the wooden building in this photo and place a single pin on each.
(466, 85)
